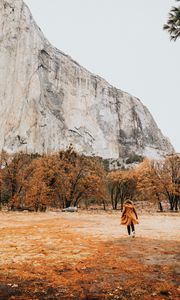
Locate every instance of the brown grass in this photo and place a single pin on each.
(88, 256)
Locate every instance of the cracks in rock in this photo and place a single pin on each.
(41, 66)
(29, 83)
(9, 13)
(43, 113)
(22, 140)
(44, 58)
(44, 125)
(118, 104)
(135, 119)
(57, 67)
(6, 4)
(33, 125)
(74, 131)
(137, 125)
(81, 135)
(122, 138)
(44, 52)
(95, 84)
(90, 135)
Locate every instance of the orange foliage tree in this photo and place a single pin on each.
(122, 186)
(171, 167)
(84, 176)
(150, 182)
(63, 179)
(13, 173)
(159, 180)
(66, 178)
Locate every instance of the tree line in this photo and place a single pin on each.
(35, 182)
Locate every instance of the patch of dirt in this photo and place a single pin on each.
(88, 256)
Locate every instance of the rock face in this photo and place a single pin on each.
(47, 100)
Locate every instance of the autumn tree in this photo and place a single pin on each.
(149, 184)
(84, 177)
(64, 179)
(37, 187)
(171, 167)
(122, 186)
(159, 179)
(13, 173)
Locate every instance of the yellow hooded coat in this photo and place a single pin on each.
(129, 215)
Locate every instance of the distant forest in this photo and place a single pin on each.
(36, 182)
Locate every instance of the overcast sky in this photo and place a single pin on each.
(122, 41)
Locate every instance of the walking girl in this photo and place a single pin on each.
(129, 217)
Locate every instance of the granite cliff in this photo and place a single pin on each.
(47, 100)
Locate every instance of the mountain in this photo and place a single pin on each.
(48, 101)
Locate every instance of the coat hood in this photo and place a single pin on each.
(128, 205)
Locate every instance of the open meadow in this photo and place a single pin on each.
(88, 255)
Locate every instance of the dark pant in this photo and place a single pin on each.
(130, 227)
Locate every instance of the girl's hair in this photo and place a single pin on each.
(128, 202)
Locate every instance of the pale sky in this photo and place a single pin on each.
(123, 42)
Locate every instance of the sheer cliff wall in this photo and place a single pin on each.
(47, 100)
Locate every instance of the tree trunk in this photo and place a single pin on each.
(36, 206)
(122, 202)
(104, 204)
(177, 199)
(160, 206)
(116, 198)
(112, 198)
(171, 201)
(115, 205)
(68, 203)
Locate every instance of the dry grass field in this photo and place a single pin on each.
(87, 255)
